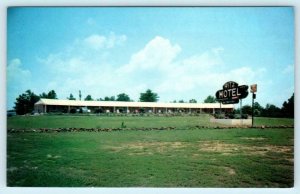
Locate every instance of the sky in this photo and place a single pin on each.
(180, 53)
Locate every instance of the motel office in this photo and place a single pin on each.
(55, 105)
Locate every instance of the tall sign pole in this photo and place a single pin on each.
(253, 89)
(241, 107)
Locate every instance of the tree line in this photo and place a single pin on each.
(25, 103)
(270, 110)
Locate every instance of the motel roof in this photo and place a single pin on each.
(56, 102)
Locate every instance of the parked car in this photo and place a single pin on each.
(83, 110)
(11, 113)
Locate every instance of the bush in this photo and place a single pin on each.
(230, 115)
(238, 116)
(219, 116)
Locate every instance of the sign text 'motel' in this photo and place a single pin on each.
(232, 93)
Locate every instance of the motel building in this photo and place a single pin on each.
(55, 105)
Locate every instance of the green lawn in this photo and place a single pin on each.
(105, 121)
(57, 121)
(176, 158)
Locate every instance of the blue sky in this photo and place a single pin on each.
(178, 52)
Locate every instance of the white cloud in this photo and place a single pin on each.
(97, 41)
(18, 80)
(16, 73)
(157, 66)
(159, 53)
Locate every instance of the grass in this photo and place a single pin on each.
(176, 158)
(57, 121)
(104, 121)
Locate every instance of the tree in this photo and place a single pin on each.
(288, 107)
(180, 101)
(25, 102)
(149, 96)
(271, 111)
(123, 97)
(88, 98)
(112, 98)
(210, 99)
(51, 95)
(80, 95)
(106, 98)
(257, 109)
(43, 95)
(71, 97)
(192, 101)
(247, 110)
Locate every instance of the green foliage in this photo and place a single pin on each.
(257, 109)
(106, 98)
(123, 97)
(88, 98)
(180, 101)
(71, 97)
(51, 95)
(288, 107)
(192, 101)
(271, 111)
(25, 102)
(79, 94)
(149, 96)
(247, 110)
(123, 125)
(210, 99)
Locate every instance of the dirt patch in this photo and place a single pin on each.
(216, 146)
(229, 149)
(147, 148)
(229, 170)
(254, 138)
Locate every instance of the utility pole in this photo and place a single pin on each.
(79, 95)
(241, 109)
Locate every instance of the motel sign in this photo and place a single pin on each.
(232, 93)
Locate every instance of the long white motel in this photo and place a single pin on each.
(55, 105)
